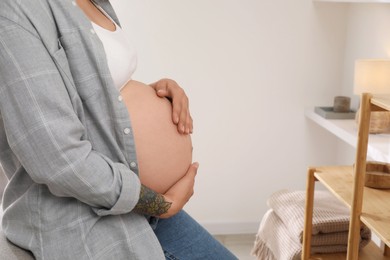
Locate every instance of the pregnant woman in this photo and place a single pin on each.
(99, 165)
(164, 150)
(163, 153)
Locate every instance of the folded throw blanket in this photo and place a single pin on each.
(281, 229)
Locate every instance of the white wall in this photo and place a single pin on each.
(250, 68)
(368, 37)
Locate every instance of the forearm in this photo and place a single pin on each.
(151, 203)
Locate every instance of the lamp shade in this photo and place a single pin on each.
(372, 76)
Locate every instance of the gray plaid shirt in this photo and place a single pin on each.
(66, 143)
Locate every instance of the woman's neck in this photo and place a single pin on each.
(95, 15)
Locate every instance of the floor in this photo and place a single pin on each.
(239, 245)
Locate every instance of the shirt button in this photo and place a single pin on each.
(92, 31)
(120, 98)
(126, 131)
(133, 165)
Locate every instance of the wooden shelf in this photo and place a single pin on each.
(346, 130)
(382, 101)
(354, 1)
(369, 252)
(376, 206)
(368, 206)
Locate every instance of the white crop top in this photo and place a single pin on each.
(121, 56)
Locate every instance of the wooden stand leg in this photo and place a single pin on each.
(386, 252)
(359, 178)
(307, 231)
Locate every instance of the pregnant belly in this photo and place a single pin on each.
(163, 154)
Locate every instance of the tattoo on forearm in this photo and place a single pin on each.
(151, 203)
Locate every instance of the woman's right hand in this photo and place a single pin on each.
(181, 192)
(180, 105)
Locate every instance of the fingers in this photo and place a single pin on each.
(188, 182)
(193, 169)
(161, 87)
(162, 92)
(181, 114)
(184, 187)
(181, 192)
(180, 105)
(191, 173)
(190, 124)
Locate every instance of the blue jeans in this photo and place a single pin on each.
(182, 238)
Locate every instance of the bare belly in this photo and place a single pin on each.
(163, 154)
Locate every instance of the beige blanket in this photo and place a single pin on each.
(281, 229)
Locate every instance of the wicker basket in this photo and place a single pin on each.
(377, 175)
(379, 122)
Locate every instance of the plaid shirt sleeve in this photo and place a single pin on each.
(45, 133)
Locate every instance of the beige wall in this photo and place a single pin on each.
(250, 68)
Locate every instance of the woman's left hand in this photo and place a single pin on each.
(180, 106)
